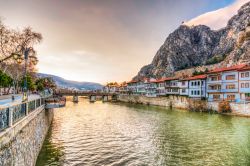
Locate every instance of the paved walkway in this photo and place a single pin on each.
(6, 101)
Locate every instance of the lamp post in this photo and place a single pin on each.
(26, 54)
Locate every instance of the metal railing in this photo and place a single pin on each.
(11, 115)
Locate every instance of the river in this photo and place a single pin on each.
(117, 134)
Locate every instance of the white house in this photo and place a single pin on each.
(244, 83)
(132, 87)
(150, 86)
(171, 86)
(197, 86)
(183, 87)
(223, 84)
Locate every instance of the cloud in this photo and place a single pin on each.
(217, 19)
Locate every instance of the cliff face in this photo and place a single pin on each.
(189, 47)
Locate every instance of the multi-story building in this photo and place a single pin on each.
(223, 84)
(123, 88)
(160, 87)
(132, 87)
(183, 87)
(244, 84)
(229, 83)
(150, 86)
(197, 86)
(171, 86)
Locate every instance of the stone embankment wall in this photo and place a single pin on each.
(243, 109)
(171, 101)
(183, 102)
(21, 143)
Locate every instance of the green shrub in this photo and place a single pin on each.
(215, 59)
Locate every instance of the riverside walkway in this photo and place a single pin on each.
(6, 100)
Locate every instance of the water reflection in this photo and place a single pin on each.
(129, 134)
(51, 152)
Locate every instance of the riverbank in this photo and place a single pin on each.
(182, 102)
(21, 143)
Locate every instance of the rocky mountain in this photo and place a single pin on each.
(191, 46)
(61, 82)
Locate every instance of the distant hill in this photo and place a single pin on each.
(61, 82)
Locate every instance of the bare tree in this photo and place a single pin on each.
(10, 41)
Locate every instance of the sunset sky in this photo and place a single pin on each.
(108, 40)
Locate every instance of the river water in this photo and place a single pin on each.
(117, 134)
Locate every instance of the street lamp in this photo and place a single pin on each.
(24, 53)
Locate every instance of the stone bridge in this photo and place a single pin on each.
(105, 96)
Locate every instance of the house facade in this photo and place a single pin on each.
(160, 87)
(171, 86)
(229, 83)
(244, 84)
(183, 87)
(197, 86)
(223, 84)
(132, 87)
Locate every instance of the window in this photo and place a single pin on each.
(246, 85)
(183, 90)
(183, 83)
(247, 74)
(198, 83)
(216, 97)
(192, 92)
(242, 85)
(230, 77)
(242, 75)
(214, 87)
(192, 83)
(231, 86)
(216, 78)
(230, 97)
(198, 92)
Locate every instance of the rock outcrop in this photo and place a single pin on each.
(188, 47)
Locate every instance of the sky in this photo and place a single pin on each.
(107, 40)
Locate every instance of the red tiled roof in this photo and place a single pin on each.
(166, 79)
(198, 77)
(236, 67)
(132, 81)
(245, 68)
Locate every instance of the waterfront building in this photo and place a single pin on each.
(123, 88)
(151, 87)
(160, 87)
(223, 84)
(244, 84)
(132, 87)
(183, 87)
(229, 83)
(171, 86)
(141, 87)
(111, 88)
(197, 86)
